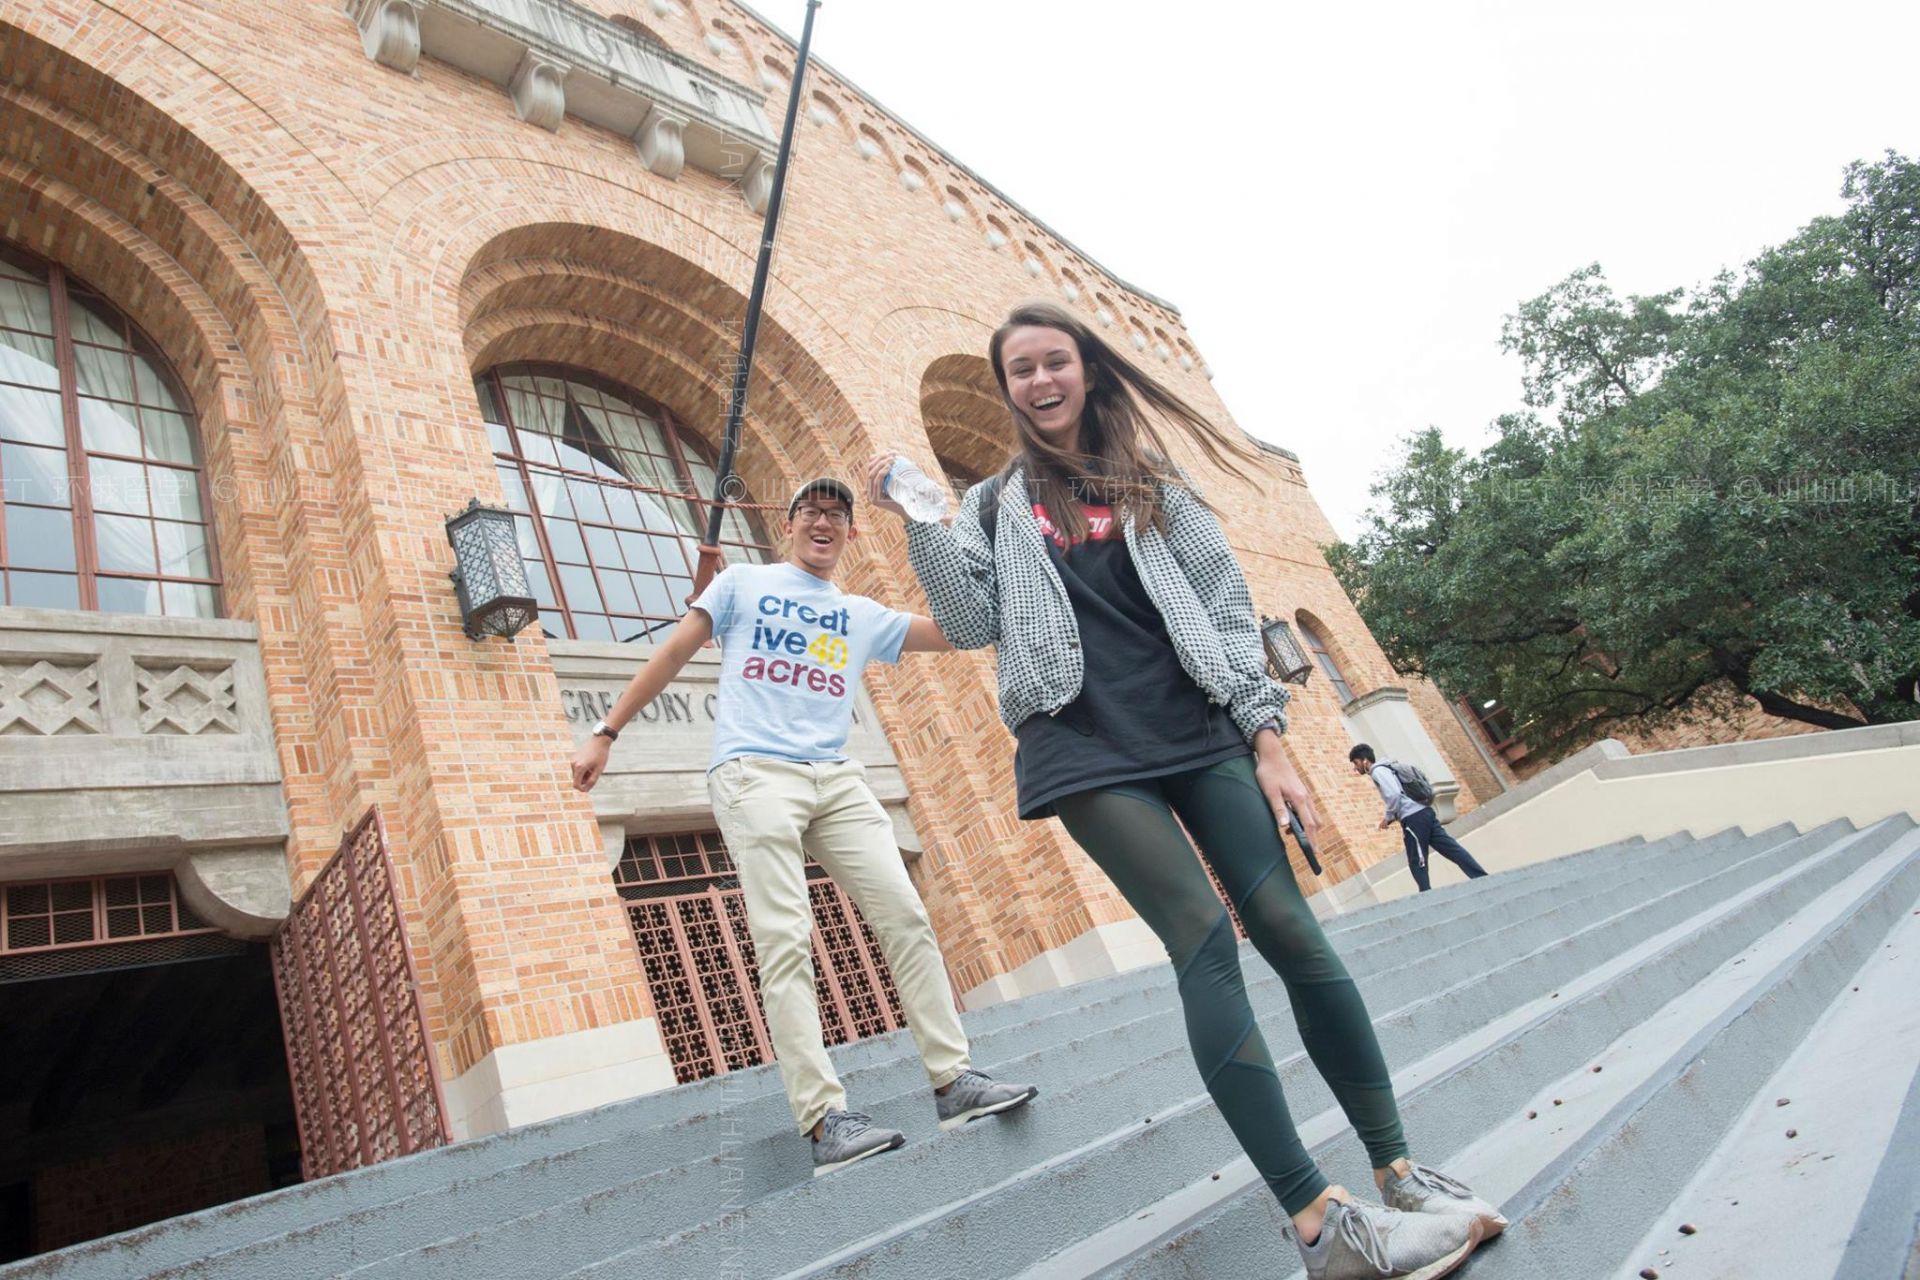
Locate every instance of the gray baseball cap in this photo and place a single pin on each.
(825, 485)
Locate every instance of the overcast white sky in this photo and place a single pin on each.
(1344, 201)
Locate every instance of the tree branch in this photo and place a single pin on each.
(1775, 704)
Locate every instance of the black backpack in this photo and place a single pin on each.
(990, 505)
(1413, 780)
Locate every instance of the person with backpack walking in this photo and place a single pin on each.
(1409, 797)
(793, 646)
(1132, 677)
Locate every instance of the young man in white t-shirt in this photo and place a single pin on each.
(793, 646)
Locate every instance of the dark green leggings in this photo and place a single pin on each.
(1129, 830)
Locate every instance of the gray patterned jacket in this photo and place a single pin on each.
(1007, 593)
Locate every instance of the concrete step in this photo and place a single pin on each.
(998, 1197)
(680, 1182)
(1467, 1108)
(622, 1147)
(666, 1128)
(1080, 1112)
(1630, 1166)
(1841, 1192)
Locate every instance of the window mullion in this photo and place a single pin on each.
(670, 428)
(80, 495)
(533, 505)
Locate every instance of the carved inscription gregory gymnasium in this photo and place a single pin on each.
(685, 705)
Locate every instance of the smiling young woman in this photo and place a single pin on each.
(1132, 676)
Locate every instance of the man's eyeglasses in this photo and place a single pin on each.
(832, 515)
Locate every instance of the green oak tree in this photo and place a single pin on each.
(1712, 498)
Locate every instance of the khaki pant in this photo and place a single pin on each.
(773, 812)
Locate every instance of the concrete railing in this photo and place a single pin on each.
(1606, 793)
(138, 744)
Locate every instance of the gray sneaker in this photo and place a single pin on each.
(1367, 1242)
(1426, 1190)
(847, 1136)
(975, 1094)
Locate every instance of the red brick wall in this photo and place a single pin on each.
(328, 249)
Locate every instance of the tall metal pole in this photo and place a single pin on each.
(743, 367)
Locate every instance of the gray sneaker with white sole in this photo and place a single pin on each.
(847, 1136)
(1426, 1190)
(1369, 1242)
(975, 1094)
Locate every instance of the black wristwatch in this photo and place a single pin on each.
(604, 730)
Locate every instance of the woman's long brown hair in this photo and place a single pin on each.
(1122, 450)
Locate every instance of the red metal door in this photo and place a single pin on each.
(365, 1086)
(690, 922)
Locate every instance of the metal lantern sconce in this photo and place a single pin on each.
(489, 576)
(1285, 661)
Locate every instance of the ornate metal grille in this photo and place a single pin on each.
(365, 1087)
(44, 915)
(690, 921)
(52, 927)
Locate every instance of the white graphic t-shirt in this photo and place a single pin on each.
(792, 649)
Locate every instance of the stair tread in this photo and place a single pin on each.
(1509, 1155)
(613, 1268)
(1796, 1201)
(1101, 1051)
(1174, 1056)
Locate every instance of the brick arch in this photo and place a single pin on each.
(124, 195)
(1335, 649)
(676, 341)
(965, 415)
(592, 233)
(629, 23)
(633, 357)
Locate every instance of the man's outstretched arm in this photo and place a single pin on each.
(655, 674)
(924, 636)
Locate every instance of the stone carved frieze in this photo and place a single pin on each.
(179, 698)
(48, 697)
(565, 59)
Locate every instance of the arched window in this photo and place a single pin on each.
(1321, 655)
(607, 562)
(105, 506)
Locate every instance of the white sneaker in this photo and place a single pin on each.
(1368, 1242)
(1426, 1190)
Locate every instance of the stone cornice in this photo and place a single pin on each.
(557, 59)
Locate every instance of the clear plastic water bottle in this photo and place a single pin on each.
(922, 496)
